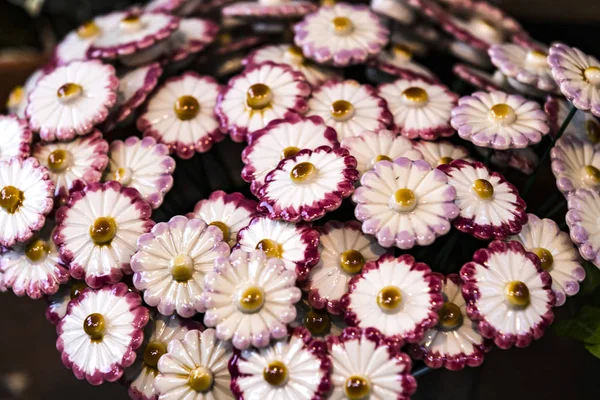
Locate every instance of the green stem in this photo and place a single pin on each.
(556, 209)
(421, 371)
(549, 203)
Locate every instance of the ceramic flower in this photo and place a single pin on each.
(100, 333)
(195, 367)
(192, 36)
(280, 139)
(97, 231)
(344, 252)
(18, 97)
(296, 245)
(228, 212)
(144, 165)
(319, 322)
(581, 218)
(585, 126)
(371, 147)
(309, 184)
(296, 368)
(59, 301)
(291, 55)
(454, 342)
(181, 114)
(72, 99)
(490, 206)
(577, 75)
(269, 9)
(499, 120)
(420, 109)
(261, 93)
(342, 34)
(398, 61)
(172, 261)
(557, 255)
(15, 139)
(441, 152)
(173, 7)
(26, 197)
(523, 160)
(575, 164)
(508, 294)
(396, 10)
(367, 365)
(249, 299)
(350, 108)
(405, 203)
(480, 79)
(82, 159)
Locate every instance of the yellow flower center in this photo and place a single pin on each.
(289, 151)
(37, 250)
(536, 58)
(404, 200)
(590, 175)
(415, 96)
(357, 387)
(486, 29)
(450, 317)
(271, 248)
(131, 23)
(186, 108)
(251, 300)
(592, 75)
(502, 114)
(302, 172)
(445, 160)
(378, 158)
(317, 322)
(11, 199)
(483, 189)
(546, 258)
(389, 298)
(15, 97)
(182, 268)
(88, 30)
(224, 228)
(592, 129)
(294, 54)
(59, 160)
(153, 352)
(259, 96)
(123, 176)
(517, 294)
(341, 110)
(276, 373)
(201, 379)
(76, 289)
(342, 25)
(68, 92)
(402, 51)
(94, 326)
(352, 261)
(103, 230)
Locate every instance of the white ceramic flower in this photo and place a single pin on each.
(318, 322)
(582, 219)
(59, 301)
(441, 152)
(18, 97)
(191, 37)
(584, 126)
(250, 299)
(527, 66)
(398, 61)
(16, 137)
(172, 261)
(575, 164)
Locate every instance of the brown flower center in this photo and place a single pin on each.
(68, 92)
(103, 230)
(415, 96)
(592, 129)
(276, 373)
(224, 228)
(186, 108)
(76, 289)
(517, 294)
(352, 261)
(317, 322)
(401, 50)
(445, 160)
(271, 248)
(502, 114)
(357, 387)
(201, 379)
(15, 97)
(302, 172)
(546, 258)
(289, 151)
(37, 250)
(94, 326)
(251, 300)
(592, 75)
(11, 199)
(342, 25)
(483, 189)
(123, 176)
(59, 160)
(389, 298)
(153, 352)
(259, 96)
(590, 175)
(182, 268)
(88, 30)
(450, 317)
(404, 200)
(341, 110)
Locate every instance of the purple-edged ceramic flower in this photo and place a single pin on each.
(261, 93)
(82, 159)
(441, 152)
(480, 79)
(368, 365)
(582, 219)
(18, 97)
(144, 165)
(419, 108)
(350, 108)
(309, 184)
(26, 197)
(508, 294)
(192, 36)
(250, 299)
(396, 10)
(180, 8)
(405, 203)
(490, 206)
(228, 212)
(342, 34)
(297, 367)
(575, 164)
(59, 301)
(398, 61)
(100, 333)
(16, 137)
(527, 66)
(577, 75)
(557, 255)
(499, 120)
(318, 321)
(172, 261)
(269, 9)
(454, 342)
(195, 367)
(296, 245)
(181, 114)
(97, 231)
(585, 126)
(72, 99)
(344, 252)
(397, 295)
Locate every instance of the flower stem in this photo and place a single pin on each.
(421, 371)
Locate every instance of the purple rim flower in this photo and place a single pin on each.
(523, 160)
(490, 206)
(396, 10)
(59, 301)
(441, 152)
(112, 316)
(269, 9)
(584, 206)
(516, 305)
(398, 61)
(180, 8)
(192, 36)
(585, 126)
(16, 137)
(525, 65)
(18, 97)
(575, 165)
(480, 79)
(309, 184)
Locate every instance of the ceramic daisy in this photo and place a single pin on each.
(577, 75)
(97, 231)
(344, 252)
(420, 109)
(371, 147)
(398, 61)
(583, 125)
(26, 197)
(181, 114)
(59, 301)
(229, 212)
(295, 368)
(508, 294)
(342, 34)
(261, 93)
(575, 164)
(366, 365)
(195, 367)
(16, 137)
(282, 138)
(72, 99)
(192, 36)
(100, 333)
(441, 152)
(454, 342)
(308, 185)
(499, 120)
(490, 206)
(557, 255)
(350, 108)
(81, 159)
(180, 8)
(480, 79)
(172, 261)
(405, 203)
(319, 322)
(144, 165)
(18, 97)
(396, 10)
(250, 299)
(296, 245)
(523, 160)
(584, 206)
